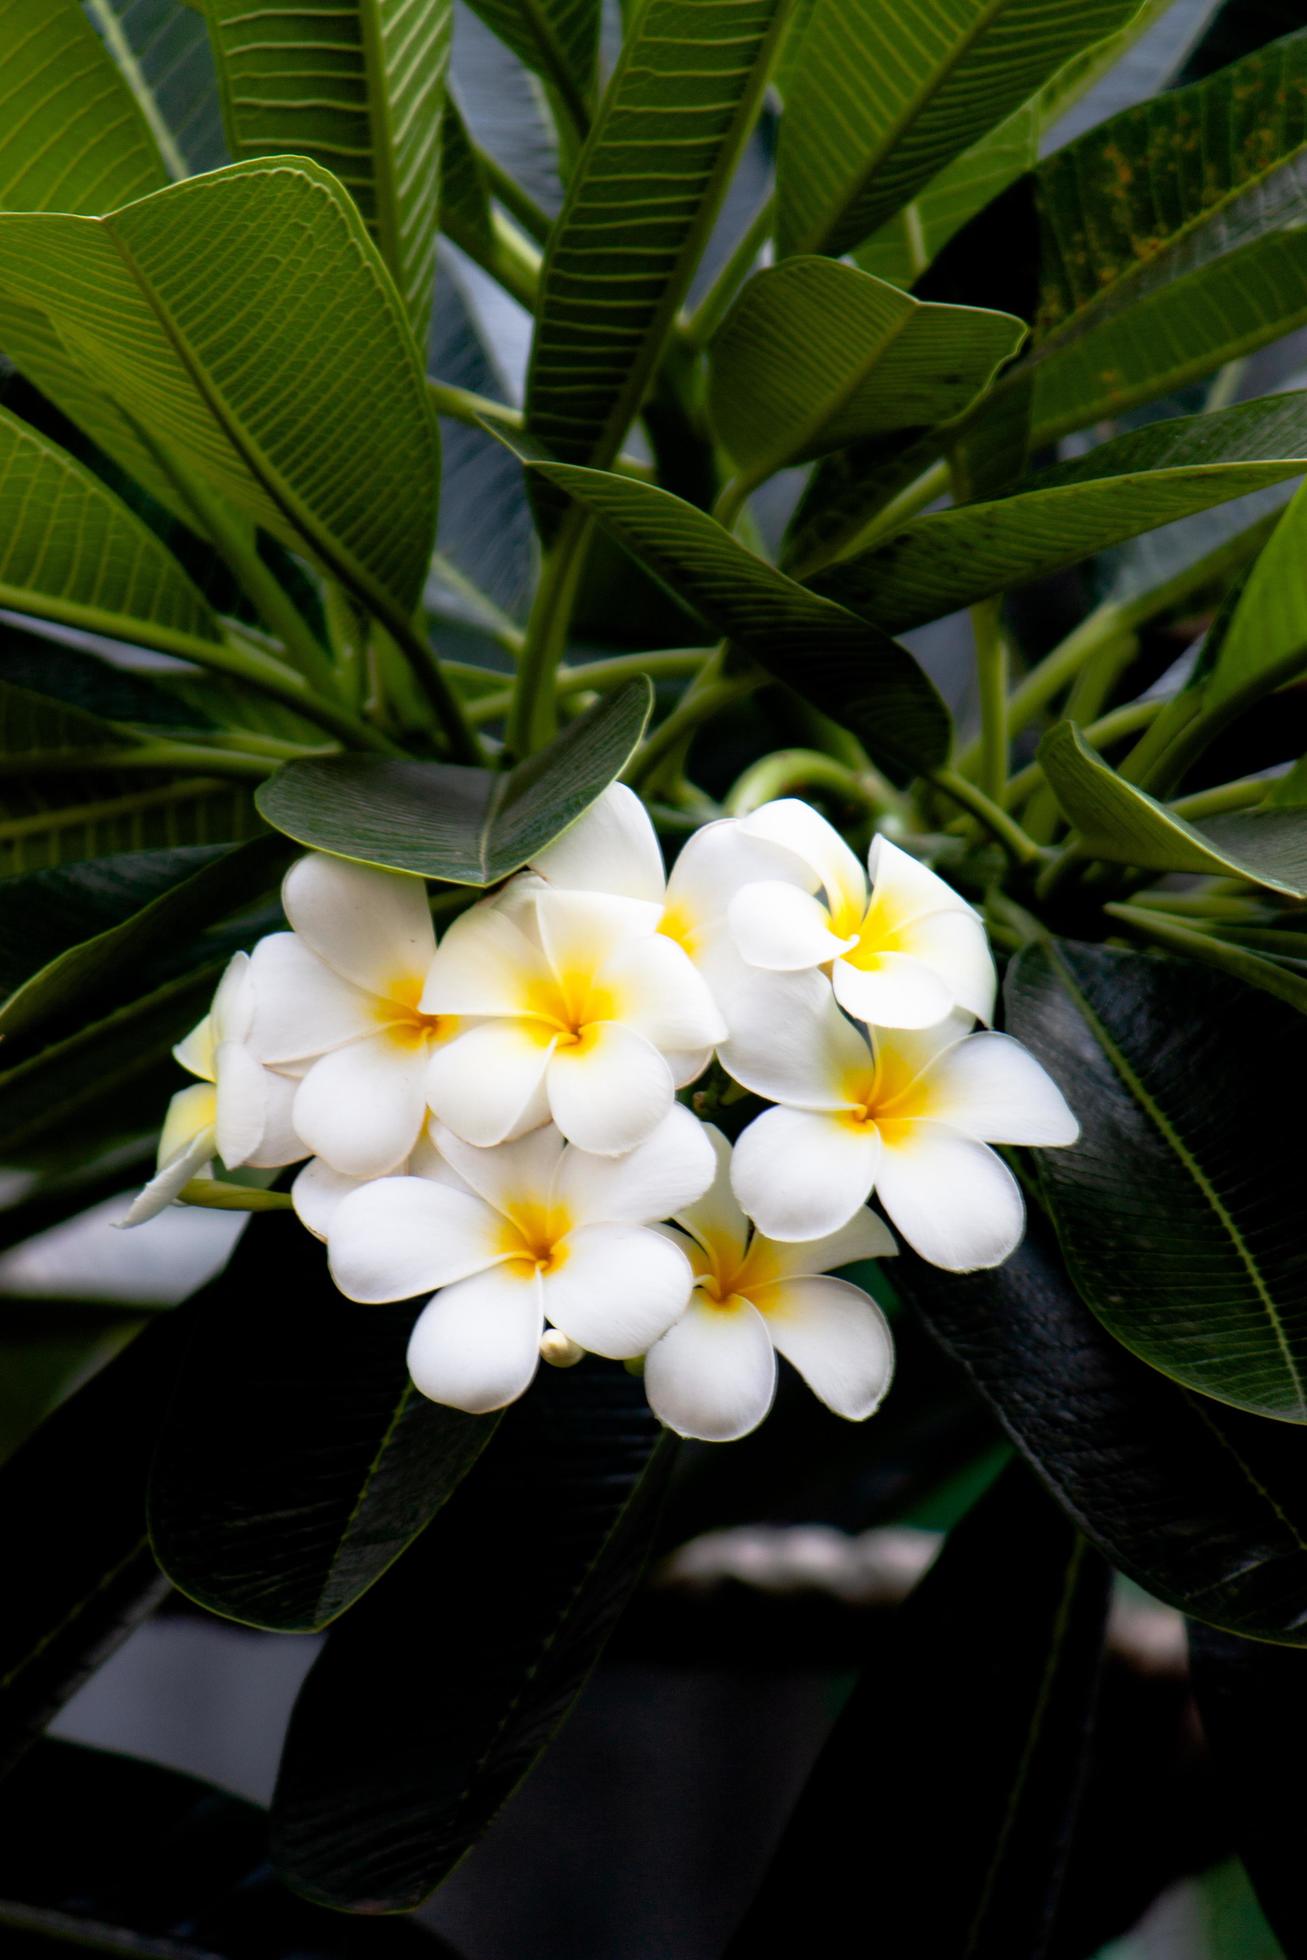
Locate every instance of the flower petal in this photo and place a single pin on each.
(713, 1375)
(608, 1091)
(485, 964)
(362, 1106)
(897, 992)
(281, 1142)
(488, 1084)
(317, 1193)
(301, 1007)
(610, 848)
(658, 992)
(582, 931)
(371, 926)
(394, 1237)
(476, 1346)
(195, 1050)
(715, 863)
(686, 1064)
(990, 1087)
(905, 887)
(186, 1145)
(233, 1004)
(801, 1175)
(782, 928)
(864, 1237)
(954, 944)
(952, 1199)
(799, 828)
(715, 1219)
(242, 1103)
(837, 1338)
(191, 1110)
(672, 1167)
(790, 1043)
(515, 1175)
(616, 1288)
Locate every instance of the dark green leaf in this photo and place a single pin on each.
(842, 665)
(359, 87)
(441, 820)
(1116, 820)
(815, 355)
(556, 39)
(340, 1461)
(1177, 1209)
(63, 819)
(1201, 1505)
(938, 563)
(71, 128)
(639, 206)
(125, 1857)
(1251, 1700)
(66, 934)
(436, 1695)
(980, 1746)
(907, 243)
(879, 102)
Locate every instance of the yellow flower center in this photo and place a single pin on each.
(883, 1096)
(403, 1021)
(725, 1279)
(678, 925)
(566, 1007)
(534, 1235)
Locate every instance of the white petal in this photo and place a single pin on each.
(790, 1043)
(955, 946)
(864, 1237)
(896, 993)
(394, 1237)
(242, 1103)
(800, 1175)
(582, 931)
(797, 827)
(485, 964)
(715, 863)
(657, 991)
(514, 1175)
(953, 1200)
(608, 1091)
(186, 1162)
(477, 1345)
(990, 1087)
(610, 848)
(281, 1142)
(686, 1064)
(300, 1006)
(837, 1338)
(362, 1106)
(672, 1167)
(906, 887)
(372, 926)
(715, 1219)
(782, 928)
(195, 1050)
(616, 1288)
(189, 1112)
(317, 1193)
(483, 1084)
(713, 1376)
(233, 1004)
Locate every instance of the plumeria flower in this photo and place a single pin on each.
(318, 1189)
(903, 949)
(342, 992)
(541, 1232)
(713, 1375)
(614, 848)
(906, 1113)
(591, 1016)
(238, 1110)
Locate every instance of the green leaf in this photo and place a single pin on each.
(878, 104)
(359, 87)
(163, 53)
(441, 820)
(558, 40)
(1201, 1505)
(1250, 1698)
(66, 934)
(65, 818)
(814, 355)
(123, 1856)
(938, 563)
(1176, 1074)
(981, 1747)
(72, 138)
(340, 1462)
(639, 206)
(466, 215)
(419, 1720)
(1117, 821)
(905, 245)
(842, 665)
(328, 369)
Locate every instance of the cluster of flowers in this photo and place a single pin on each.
(493, 1121)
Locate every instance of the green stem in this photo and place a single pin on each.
(138, 755)
(464, 406)
(707, 316)
(1108, 729)
(1242, 794)
(1243, 964)
(704, 698)
(425, 666)
(211, 1194)
(995, 819)
(789, 769)
(677, 663)
(533, 718)
(519, 204)
(496, 622)
(732, 499)
(991, 687)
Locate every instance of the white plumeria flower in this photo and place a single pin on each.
(614, 848)
(903, 949)
(713, 1375)
(238, 1110)
(908, 1113)
(342, 992)
(589, 1016)
(318, 1189)
(541, 1232)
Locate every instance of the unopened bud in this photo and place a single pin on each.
(559, 1350)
